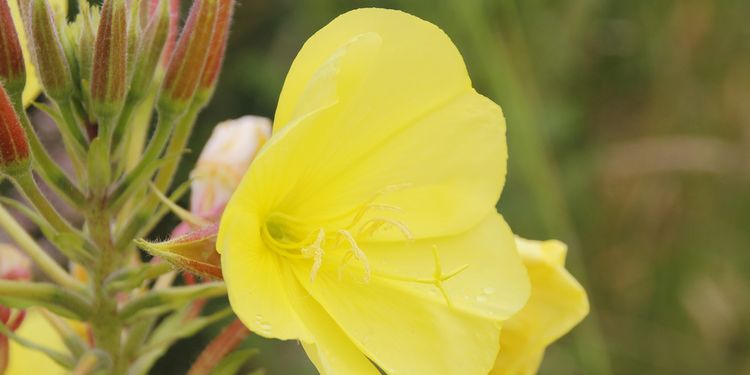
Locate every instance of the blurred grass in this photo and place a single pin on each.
(629, 135)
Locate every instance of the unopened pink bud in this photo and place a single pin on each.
(13, 264)
(149, 51)
(223, 161)
(108, 77)
(12, 69)
(189, 58)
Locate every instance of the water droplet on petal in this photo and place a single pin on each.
(488, 290)
(481, 298)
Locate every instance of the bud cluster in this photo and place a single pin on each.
(113, 56)
(107, 76)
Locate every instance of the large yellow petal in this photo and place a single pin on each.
(33, 87)
(557, 303)
(330, 349)
(24, 361)
(378, 108)
(494, 283)
(257, 279)
(411, 328)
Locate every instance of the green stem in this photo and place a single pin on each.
(71, 125)
(173, 297)
(105, 324)
(179, 141)
(73, 138)
(177, 144)
(25, 182)
(49, 170)
(134, 277)
(36, 253)
(127, 112)
(143, 170)
(47, 295)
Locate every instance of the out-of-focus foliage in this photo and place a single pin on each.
(629, 132)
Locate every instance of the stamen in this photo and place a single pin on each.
(357, 252)
(315, 251)
(372, 225)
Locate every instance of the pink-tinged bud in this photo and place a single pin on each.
(14, 148)
(194, 252)
(14, 265)
(12, 69)
(189, 58)
(108, 76)
(50, 58)
(174, 24)
(152, 7)
(149, 51)
(217, 49)
(223, 161)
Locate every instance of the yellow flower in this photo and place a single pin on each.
(33, 87)
(24, 361)
(557, 303)
(366, 227)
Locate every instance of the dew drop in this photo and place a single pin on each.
(481, 298)
(488, 290)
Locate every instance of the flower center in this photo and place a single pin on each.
(293, 238)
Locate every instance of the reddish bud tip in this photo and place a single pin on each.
(189, 58)
(14, 148)
(51, 62)
(194, 252)
(108, 76)
(12, 70)
(217, 48)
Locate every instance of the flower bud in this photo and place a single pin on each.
(50, 58)
(193, 252)
(87, 18)
(108, 76)
(216, 50)
(223, 161)
(13, 264)
(12, 69)
(14, 148)
(150, 51)
(189, 58)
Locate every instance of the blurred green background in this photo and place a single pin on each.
(629, 133)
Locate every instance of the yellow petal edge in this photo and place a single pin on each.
(556, 305)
